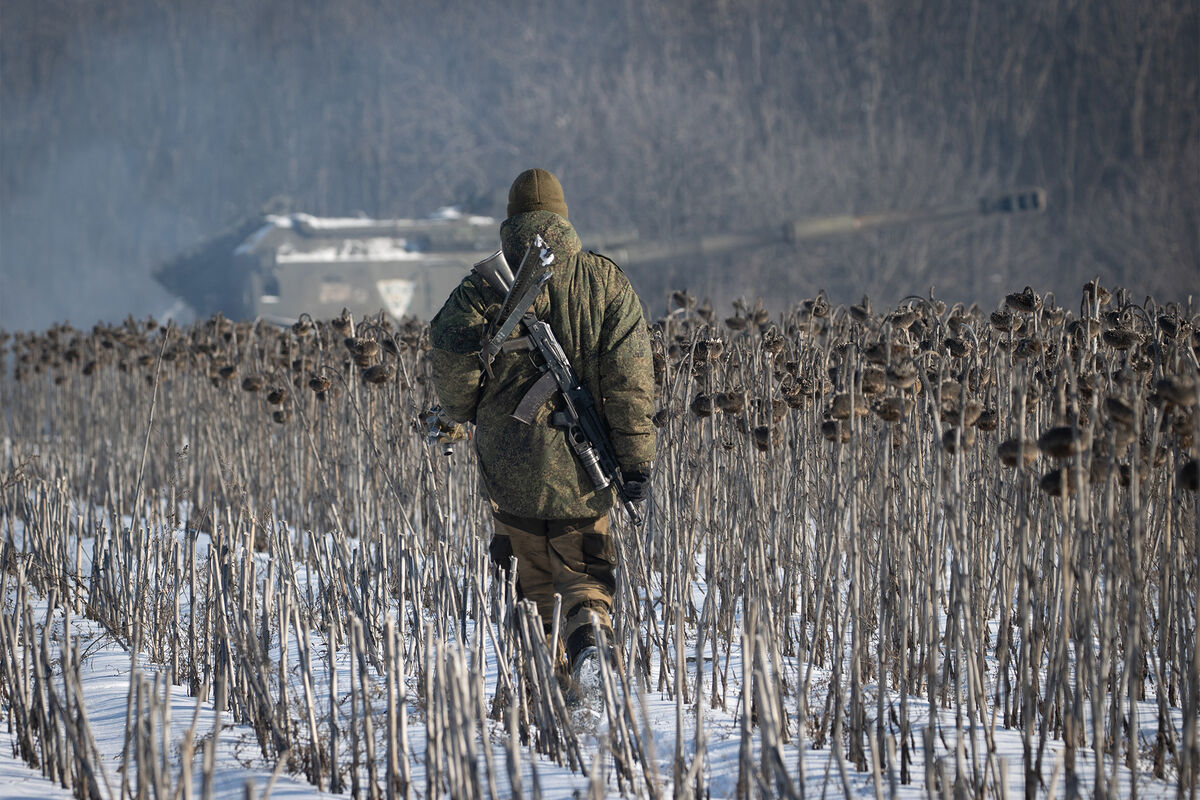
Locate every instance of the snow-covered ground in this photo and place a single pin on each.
(240, 770)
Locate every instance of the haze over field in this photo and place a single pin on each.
(131, 130)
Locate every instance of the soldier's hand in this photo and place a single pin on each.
(637, 484)
(500, 551)
(441, 430)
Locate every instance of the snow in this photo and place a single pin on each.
(108, 672)
(252, 241)
(340, 225)
(454, 212)
(374, 248)
(106, 683)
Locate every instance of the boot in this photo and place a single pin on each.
(584, 688)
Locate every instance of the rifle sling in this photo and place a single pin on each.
(494, 344)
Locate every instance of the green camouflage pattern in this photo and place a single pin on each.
(530, 470)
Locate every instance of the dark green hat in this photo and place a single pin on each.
(536, 190)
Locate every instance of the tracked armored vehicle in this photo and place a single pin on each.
(279, 266)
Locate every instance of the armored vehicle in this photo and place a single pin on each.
(279, 266)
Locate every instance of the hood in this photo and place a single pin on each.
(519, 230)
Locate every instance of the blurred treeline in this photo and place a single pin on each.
(131, 129)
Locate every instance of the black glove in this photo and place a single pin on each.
(637, 484)
(500, 550)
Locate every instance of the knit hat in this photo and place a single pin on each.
(536, 190)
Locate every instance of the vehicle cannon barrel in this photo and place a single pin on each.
(277, 267)
(628, 249)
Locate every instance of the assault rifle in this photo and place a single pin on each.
(585, 429)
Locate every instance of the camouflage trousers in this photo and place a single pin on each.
(575, 558)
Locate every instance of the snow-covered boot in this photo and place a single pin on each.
(585, 688)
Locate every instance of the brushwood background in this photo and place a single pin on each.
(133, 129)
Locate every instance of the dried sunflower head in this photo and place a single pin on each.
(1011, 451)
(378, 374)
(1057, 483)
(1061, 441)
(1025, 301)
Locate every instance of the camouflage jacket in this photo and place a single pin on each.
(530, 470)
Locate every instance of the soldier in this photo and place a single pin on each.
(546, 509)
